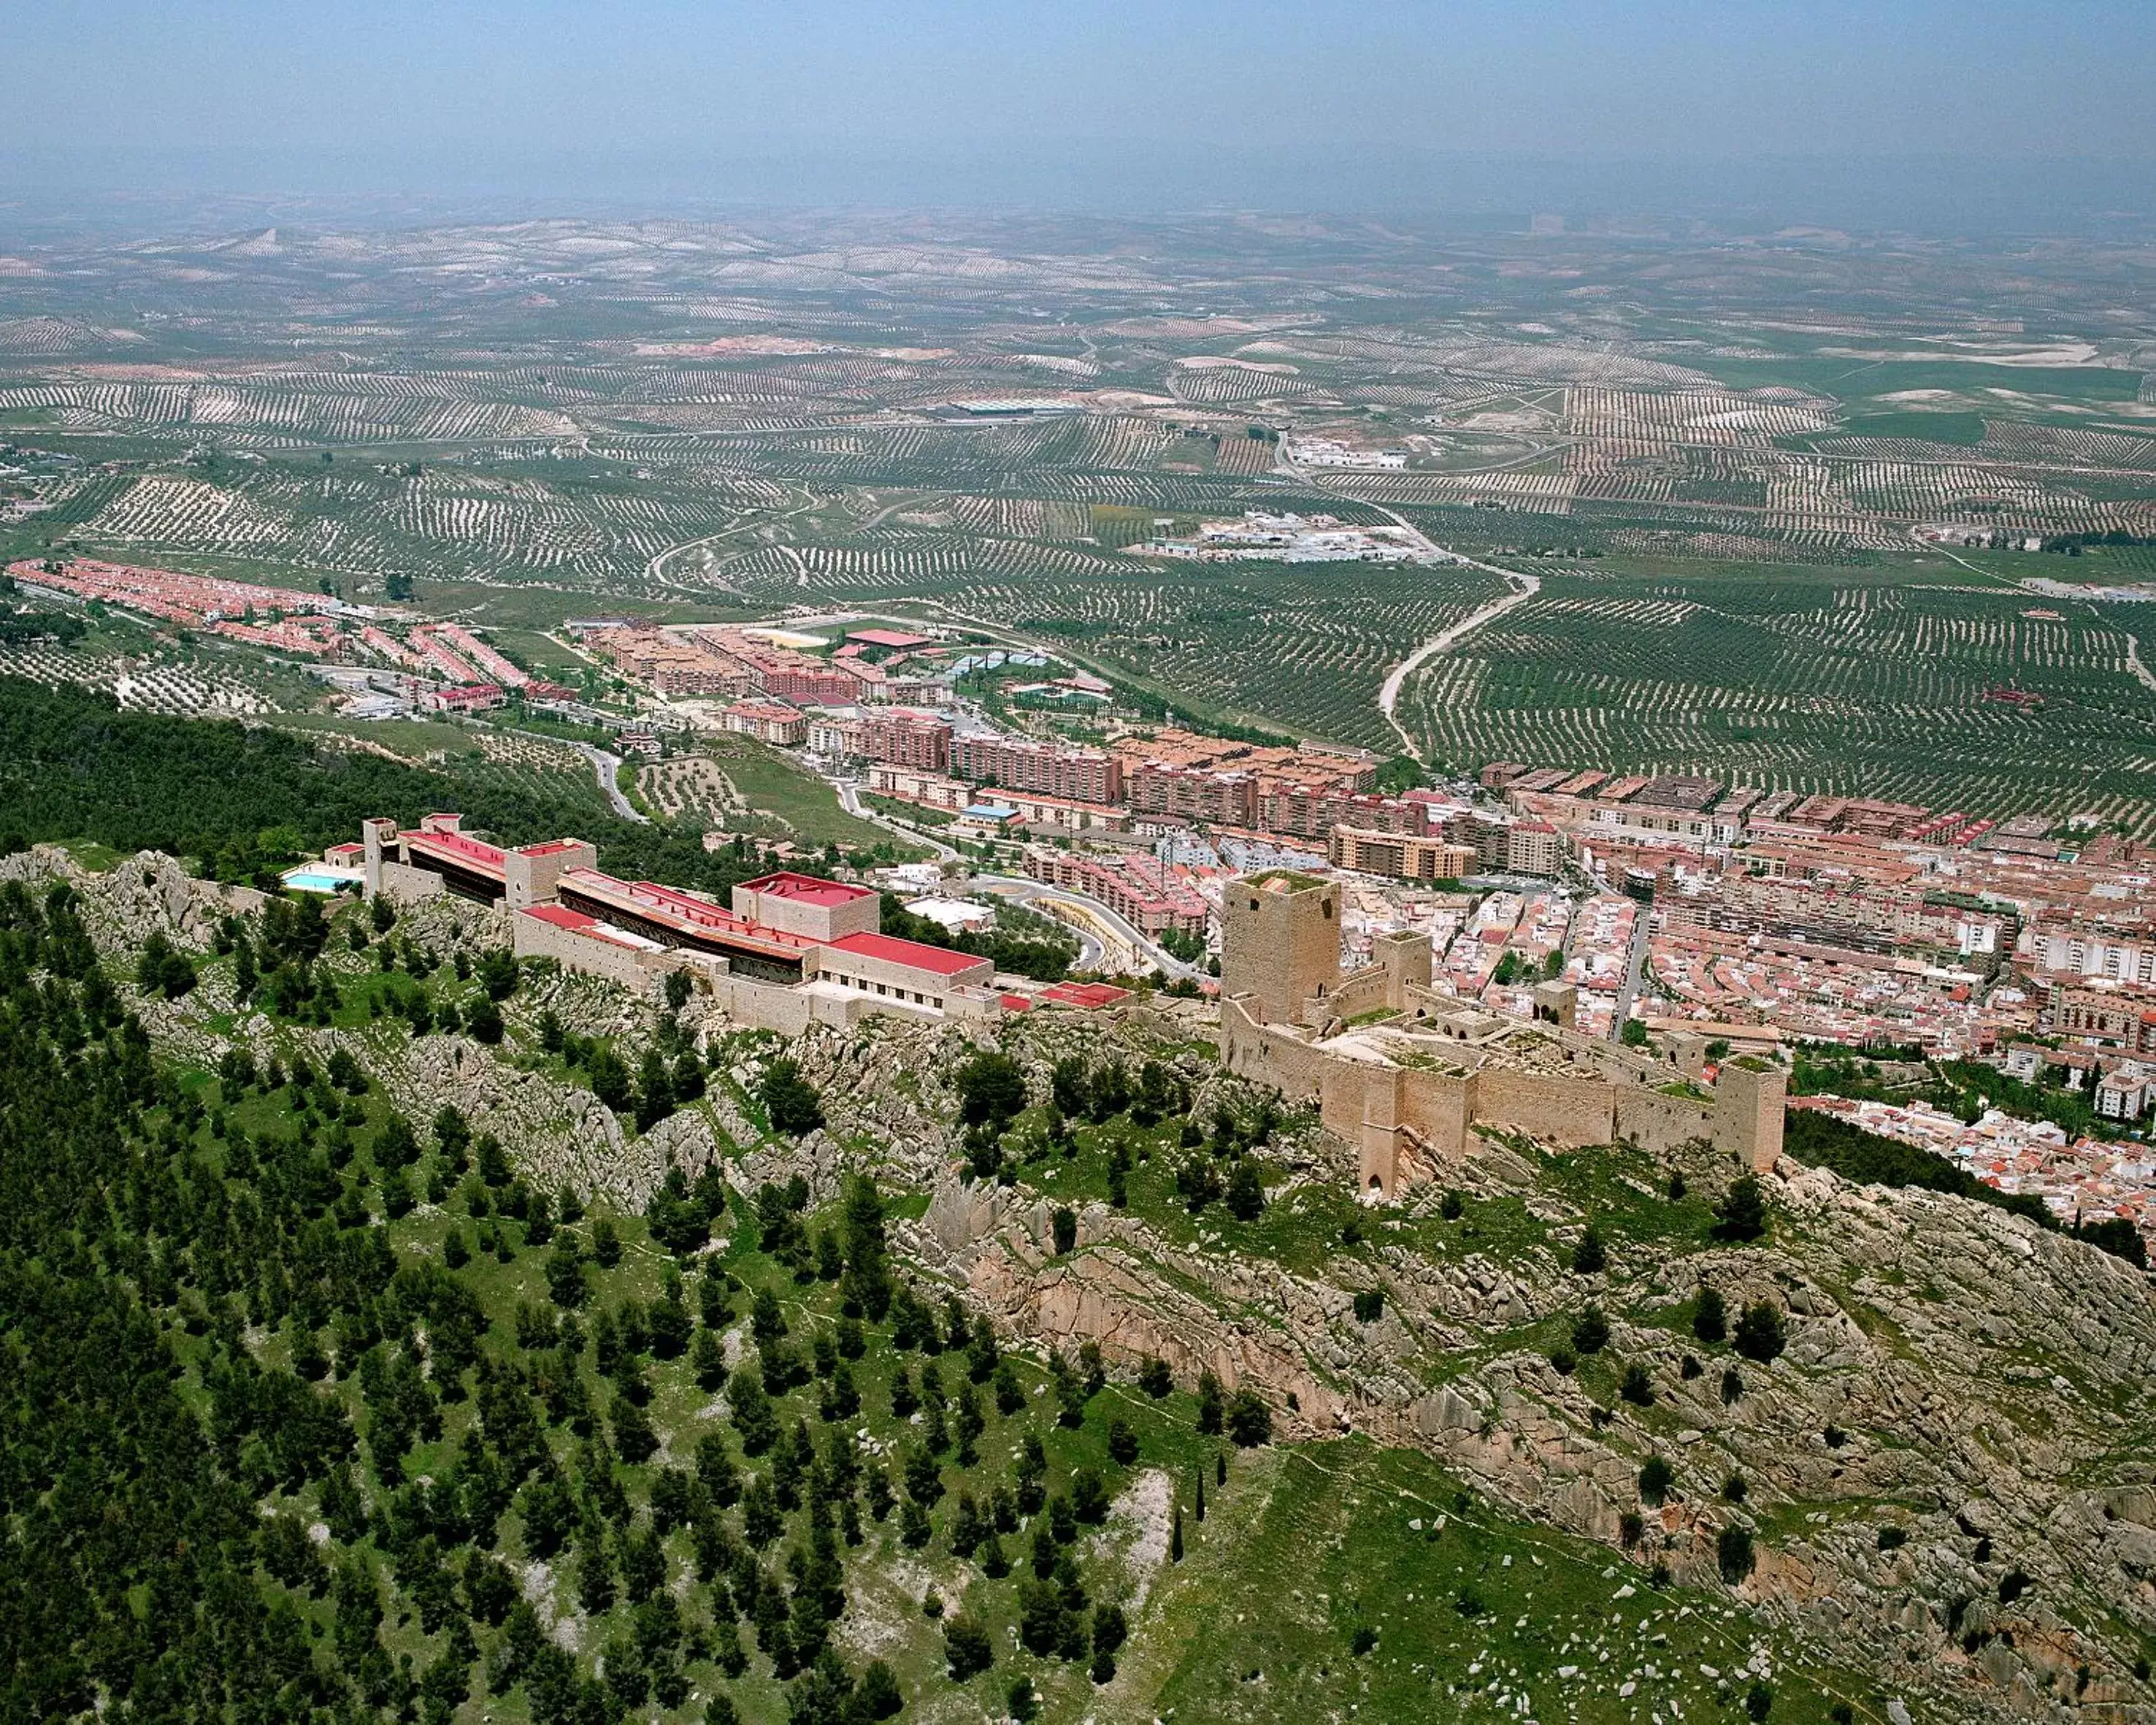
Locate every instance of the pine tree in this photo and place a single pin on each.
(709, 1359)
(1200, 1511)
(1175, 1537)
(1209, 1404)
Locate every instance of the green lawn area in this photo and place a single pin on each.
(914, 812)
(539, 653)
(803, 807)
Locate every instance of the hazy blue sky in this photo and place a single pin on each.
(1085, 81)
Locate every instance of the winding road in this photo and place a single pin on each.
(1524, 587)
(2142, 673)
(605, 768)
(849, 800)
(1087, 908)
(1106, 924)
(608, 767)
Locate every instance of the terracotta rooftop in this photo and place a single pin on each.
(684, 911)
(917, 955)
(1088, 997)
(887, 638)
(467, 852)
(808, 888)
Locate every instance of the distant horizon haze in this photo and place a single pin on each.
(1906, 113)
(197, 187)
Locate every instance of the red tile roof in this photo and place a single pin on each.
(665, 904)
(887, 638)
(806, 887)
(577, 923)
(919, 956)
(561, 916)
(470, 853)
(1088, 997)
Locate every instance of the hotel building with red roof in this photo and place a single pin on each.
(789, 950)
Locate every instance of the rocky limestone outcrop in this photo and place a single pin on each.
(121, 907)
(1952, 1466)
(1978, 1385)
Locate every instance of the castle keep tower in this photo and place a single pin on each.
(1280, 942)
(1749, 1099)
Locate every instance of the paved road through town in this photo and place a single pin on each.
(1635, 960)
(1092, 947)
(849, 800)
(1031, 892)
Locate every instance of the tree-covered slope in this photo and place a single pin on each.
(281, 1439)
(244, 799)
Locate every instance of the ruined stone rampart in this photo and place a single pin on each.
(1566, 1112)
(1660, 1123)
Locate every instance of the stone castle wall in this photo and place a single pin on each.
(787, 1010)
(1247, 1049)
(1564, 1111)
(1361, 992)
(1387, 1111)
(1662, 1123)
(534, 937)
(403, 884)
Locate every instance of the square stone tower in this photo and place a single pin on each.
(1406, 958)
(1280, 942)
(1749, 1101)
(1558, 1003)
(377, 838)
(529, 874)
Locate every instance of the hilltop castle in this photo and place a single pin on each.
(1404, 1071)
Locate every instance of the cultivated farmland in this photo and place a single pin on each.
(1804, 679)
(1717, 464)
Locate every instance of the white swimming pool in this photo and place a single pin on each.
(320, 880)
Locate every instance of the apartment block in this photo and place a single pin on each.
(2094, 949)
(931, 790)
(2122, 1014)
(1199, 794)
(766, 721)
(1137, 888)
(1403, 856)
(1075, 774)
(903, 737)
